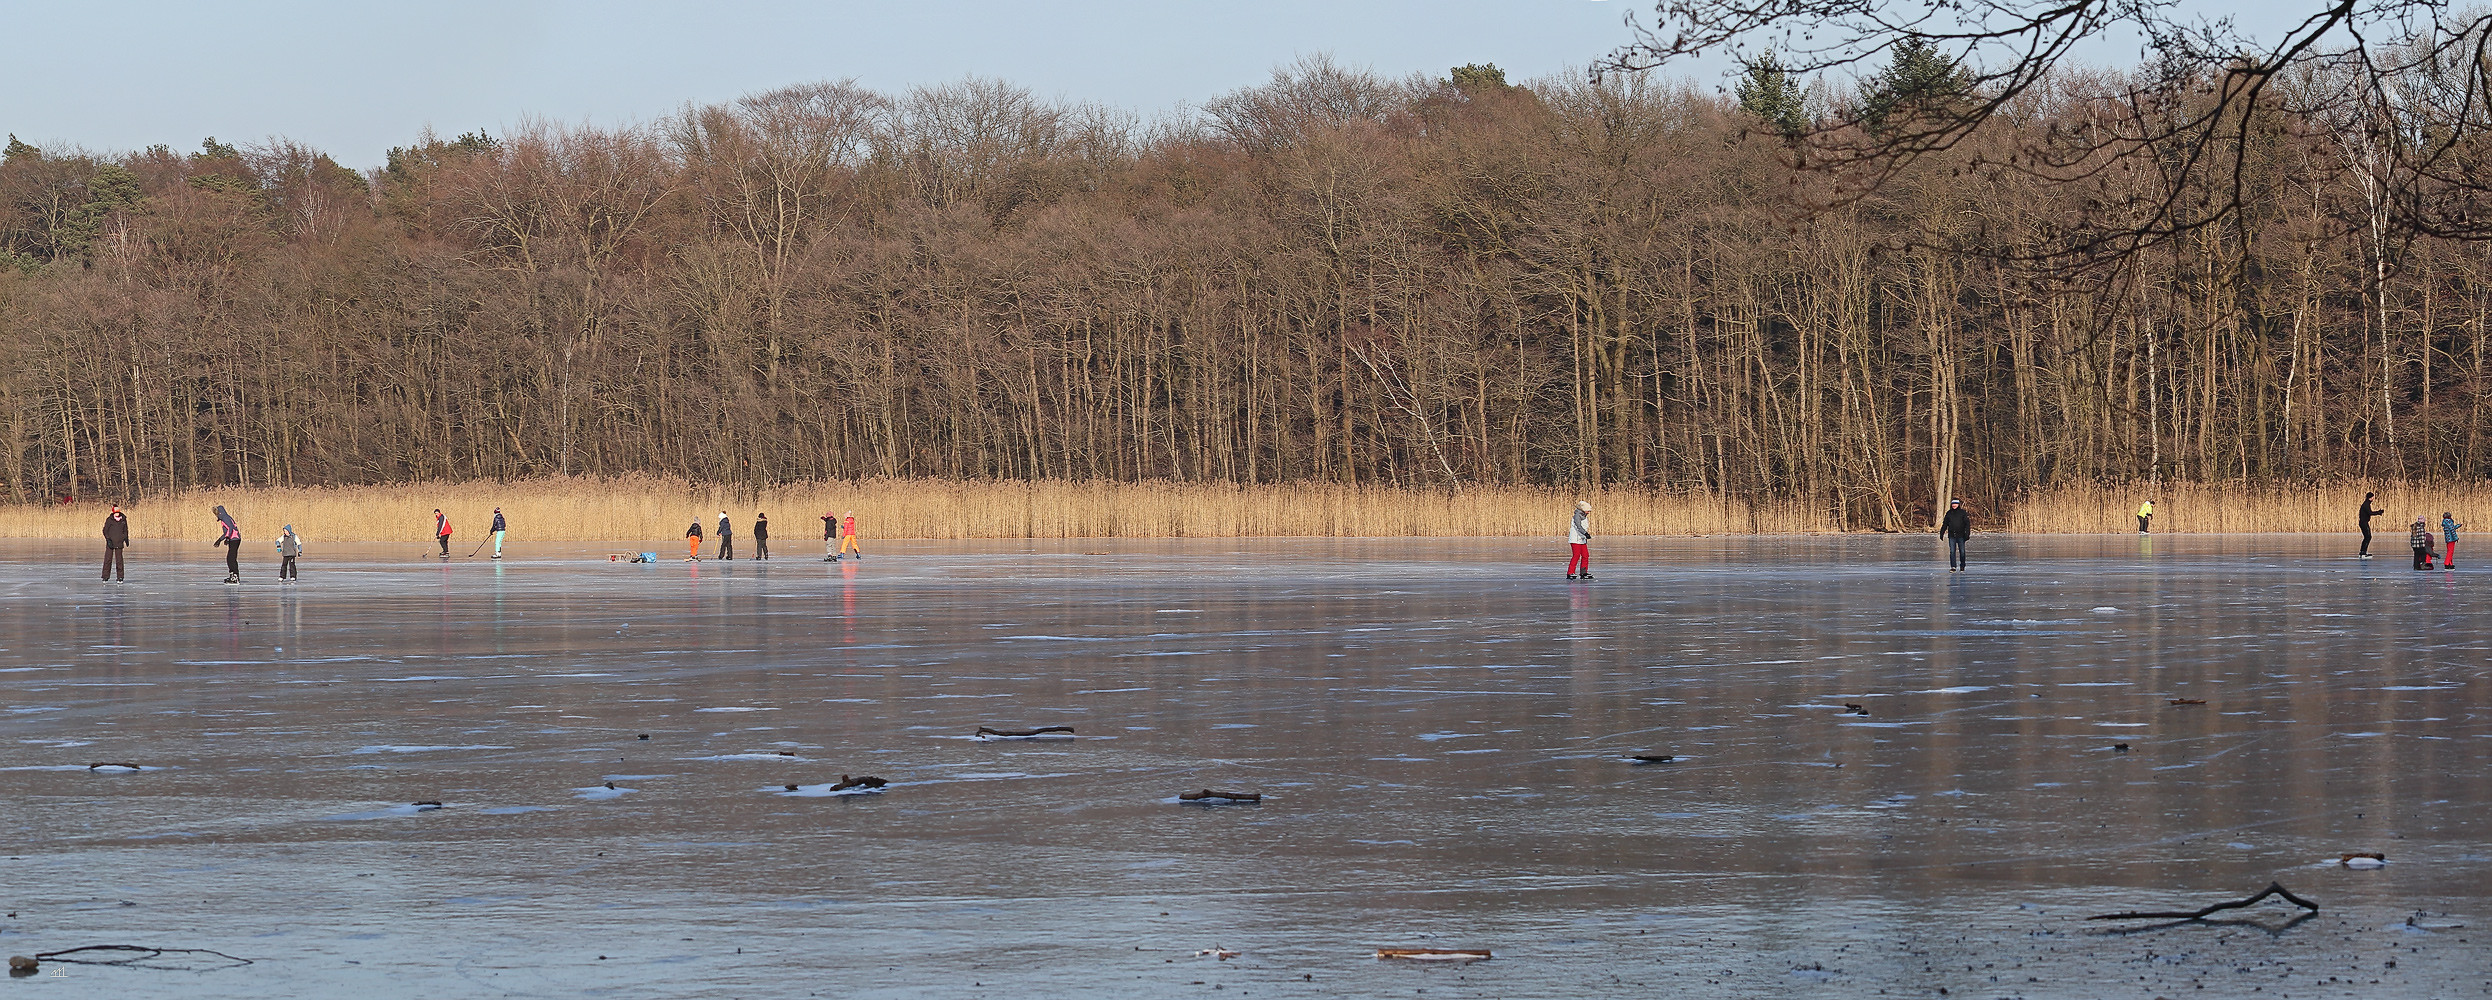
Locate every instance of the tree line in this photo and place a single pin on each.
(1333, 276)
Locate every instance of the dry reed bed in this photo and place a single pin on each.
(653, 511)
(2315, 508)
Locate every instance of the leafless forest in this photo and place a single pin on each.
(1332, 277)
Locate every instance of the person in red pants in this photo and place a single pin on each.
(1579, 542)
(2448, 533)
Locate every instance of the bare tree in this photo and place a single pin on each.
(2196, 111)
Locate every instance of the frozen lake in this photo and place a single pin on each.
(1437, 728)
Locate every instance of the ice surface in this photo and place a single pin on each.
(1450, 720)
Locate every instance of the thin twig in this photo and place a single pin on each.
(1017, 733)
(2273, 889)
(58, 956)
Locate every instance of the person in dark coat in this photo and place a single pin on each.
(1958, 527)
(830, 537)
(692, 540)
(229, 535)
(761, 536)
(116, 538)
(726, 537)
(500, 528)
(2363, 517)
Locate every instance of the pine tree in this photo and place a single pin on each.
(1768, 92)
(1918, 82)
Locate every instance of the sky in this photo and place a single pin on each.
(355, 79)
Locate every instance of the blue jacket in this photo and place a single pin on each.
(2448, 529)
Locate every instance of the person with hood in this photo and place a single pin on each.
(289, 545)
(1958, 527)
(848, 536)
(116, 538)
(726, 537)
(441, 531)
(2448, 533)
(692, 538)
(229, 535)
(2145, 513)
(2363, 517)
(761, 536)
(500, 528)
(830, 537)
(2420, 538)
(1579, 542)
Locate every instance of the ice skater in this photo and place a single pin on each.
(2448, 533)
(830, 537)
(2421, 539)
(2145, 513)
(1958, 527)
(289, 545)
(1579, 542)
(441, 531)
(848, 537)
(726, 537)
(500, 528)
(229, 535)
(116, 538)
(692, 539)
(2363, 517)
(761, 536)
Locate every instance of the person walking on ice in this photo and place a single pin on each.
(500, 528)
(830, 537)
(2363, 517)
(726, 537)
(2420, 538)
(848, 536)
(761, 536)
(692, 541)
(441, 531)
(116, 538)
(2145, 513)
(1958, 527)
(289, 545)
(229, 535)
(1579, 542)
(2448, 533)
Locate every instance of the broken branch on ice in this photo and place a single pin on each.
(2273, 889)
(1435, 954)
(1022, 734)
(1230, 796)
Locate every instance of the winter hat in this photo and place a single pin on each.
(1583, 505)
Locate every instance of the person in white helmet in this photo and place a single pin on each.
(1579, 542)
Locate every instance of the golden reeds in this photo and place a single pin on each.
(2236, 509)
(654, 510)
